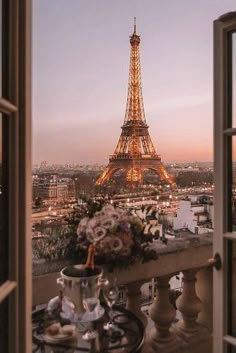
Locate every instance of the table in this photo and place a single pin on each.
(130, 341)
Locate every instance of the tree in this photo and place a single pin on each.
(38, 202)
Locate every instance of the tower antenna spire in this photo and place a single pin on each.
(134, 24)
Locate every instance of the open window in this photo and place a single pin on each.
(15, 176)
(225, 183)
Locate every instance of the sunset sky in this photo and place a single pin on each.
(80, 76)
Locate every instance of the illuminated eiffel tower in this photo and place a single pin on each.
(135, 151)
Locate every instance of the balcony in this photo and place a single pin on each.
(189, 328)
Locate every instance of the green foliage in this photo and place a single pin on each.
(184, 179)
(38, 202)
(57, 247)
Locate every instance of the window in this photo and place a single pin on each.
(225, 188)
(15, 176)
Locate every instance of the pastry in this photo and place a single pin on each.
(68, 330)
(54, 329)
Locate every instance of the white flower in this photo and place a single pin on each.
(99, 233)
(103, 246)
(117, 244)
(92, 222)
(108, 223)
(90, 234)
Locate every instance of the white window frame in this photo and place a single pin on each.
(222, 168)
(16, 107)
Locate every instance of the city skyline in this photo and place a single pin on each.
(80, 77)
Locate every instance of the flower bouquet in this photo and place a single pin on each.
(117, 237)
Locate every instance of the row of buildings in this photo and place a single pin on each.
(53, 189)
(193, 213)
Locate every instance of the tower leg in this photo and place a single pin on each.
(106, 175)
(165, 176)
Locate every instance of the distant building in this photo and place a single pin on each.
(53, 188)
(184, 169)
(61, 190)
(35, 183)
(71, 189)
(195, 214)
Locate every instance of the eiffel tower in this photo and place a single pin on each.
(135, 151)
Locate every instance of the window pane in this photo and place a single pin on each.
(231, 302)
(3, 215)
(4, 326)
(232, 189)
(230, 349)
(234, 79)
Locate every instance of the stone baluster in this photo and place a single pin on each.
(204, 291)
(162, 312)
(133, 301)
(190, 306)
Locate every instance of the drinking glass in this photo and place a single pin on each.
(90, 302)
(111, 294)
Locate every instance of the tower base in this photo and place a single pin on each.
(134, 169)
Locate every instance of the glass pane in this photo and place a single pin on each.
(231, 302)
(232, 186)
(4, 326)
(230, 349)
(234, 80)
(3, 215)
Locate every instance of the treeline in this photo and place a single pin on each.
(194, 178)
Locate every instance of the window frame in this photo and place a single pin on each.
(15, 104)
(223, 26)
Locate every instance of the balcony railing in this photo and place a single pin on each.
(167, 330)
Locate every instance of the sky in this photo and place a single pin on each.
(81, 54)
